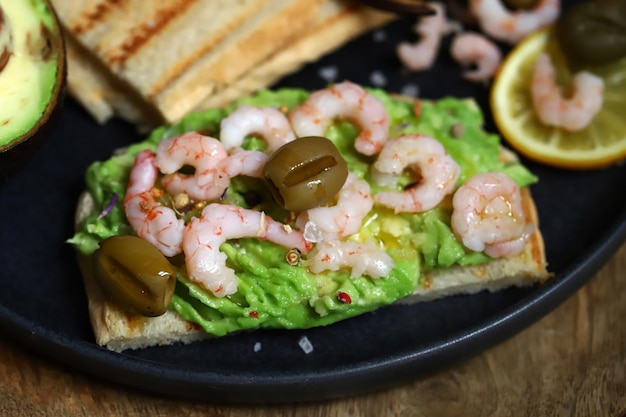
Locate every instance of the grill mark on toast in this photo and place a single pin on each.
(142, 34)
(97, 14)
(181, 66)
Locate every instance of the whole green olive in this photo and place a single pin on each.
(305, 173)
(134, 274)
(520, 4)
(594, 32)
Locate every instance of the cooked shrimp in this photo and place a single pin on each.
(151, 221)
(573, 113)
(420, 55)
(348, 101)
(438, 173)
(204, 153)
(473, 48)
(362, 258)
(269, 123)
(331, 223)
(508, 26)
(327, 225)
(488, 215)
(203, 236)
(248, 163)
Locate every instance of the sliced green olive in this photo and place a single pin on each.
(134, 274)
(305, 173)
(594, 32)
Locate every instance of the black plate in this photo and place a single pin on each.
(43, 307)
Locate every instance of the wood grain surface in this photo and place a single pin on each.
(570, 363)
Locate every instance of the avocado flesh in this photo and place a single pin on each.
(30, 65)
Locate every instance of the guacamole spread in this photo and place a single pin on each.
(275, 293)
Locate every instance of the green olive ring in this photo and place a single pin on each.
(134, 274)
(305, 173)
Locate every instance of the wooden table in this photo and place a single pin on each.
(570, 363)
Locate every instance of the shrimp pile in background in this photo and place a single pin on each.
(471, 48)
(480, 53)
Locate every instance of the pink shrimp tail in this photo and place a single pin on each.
(283, 235)
(143, 174)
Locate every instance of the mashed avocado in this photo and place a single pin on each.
(273, 293)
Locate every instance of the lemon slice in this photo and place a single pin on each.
(601, 143)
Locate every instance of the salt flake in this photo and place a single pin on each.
(379, 36)
(329, 73)
(378, 79)
(305, 344)
(411, 90)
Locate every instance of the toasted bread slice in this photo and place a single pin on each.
(105, 94)
(148, 43)
(104, 36)
(270, 29)
(119, 330)
(337, 22)
(172, 53)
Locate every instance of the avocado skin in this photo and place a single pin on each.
(14, 155)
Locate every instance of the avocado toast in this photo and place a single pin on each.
(428, 259)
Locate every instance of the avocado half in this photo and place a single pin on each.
(33, 72)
